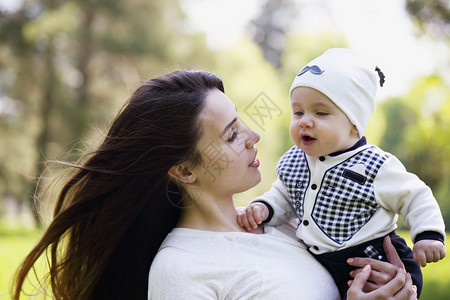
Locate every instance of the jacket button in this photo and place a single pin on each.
(297, 204)
(314, 186)
(322, 158)
(305, 222)
(316, 248)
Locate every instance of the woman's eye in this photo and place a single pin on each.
(233, 136)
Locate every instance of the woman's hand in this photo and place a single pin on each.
(387, 280)
(399, 288)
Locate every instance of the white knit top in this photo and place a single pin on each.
(197, 264)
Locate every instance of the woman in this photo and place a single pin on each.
(174, 156)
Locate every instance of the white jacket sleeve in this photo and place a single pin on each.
(277, 198)
(404, 193)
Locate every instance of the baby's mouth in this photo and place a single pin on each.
(307, 138)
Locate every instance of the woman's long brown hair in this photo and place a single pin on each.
(113, 214)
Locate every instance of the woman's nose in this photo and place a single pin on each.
(252, 138)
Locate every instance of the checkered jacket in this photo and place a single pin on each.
(344, 200)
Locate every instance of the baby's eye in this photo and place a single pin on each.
(299, 113)
(322, 113)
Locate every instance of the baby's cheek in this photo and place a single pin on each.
(294, 132)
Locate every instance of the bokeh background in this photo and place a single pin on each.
(67, 66)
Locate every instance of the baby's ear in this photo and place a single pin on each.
(182, 173)
(355, 130)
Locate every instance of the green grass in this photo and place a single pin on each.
(15, 244)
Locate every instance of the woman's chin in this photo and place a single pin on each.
(256, 180)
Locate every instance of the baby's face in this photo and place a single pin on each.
(318, 126)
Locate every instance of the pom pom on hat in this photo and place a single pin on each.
(344, 77)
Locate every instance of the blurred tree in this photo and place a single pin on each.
(426, 141)
(431, 16)
(418, 134)
(72, 64)
(401, 117)
(269, 28)
(17, 85)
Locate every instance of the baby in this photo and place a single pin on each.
(346, 193)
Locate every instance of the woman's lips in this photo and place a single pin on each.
(255, 162)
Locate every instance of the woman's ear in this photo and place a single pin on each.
(182, 173)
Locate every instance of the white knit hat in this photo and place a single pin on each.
(345, 78)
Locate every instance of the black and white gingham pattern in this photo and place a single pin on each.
(342, 205)
(371, 252)
(293, 170)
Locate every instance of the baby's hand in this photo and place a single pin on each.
(426, 251)
(252, 216)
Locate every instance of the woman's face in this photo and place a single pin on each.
(229, 164)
